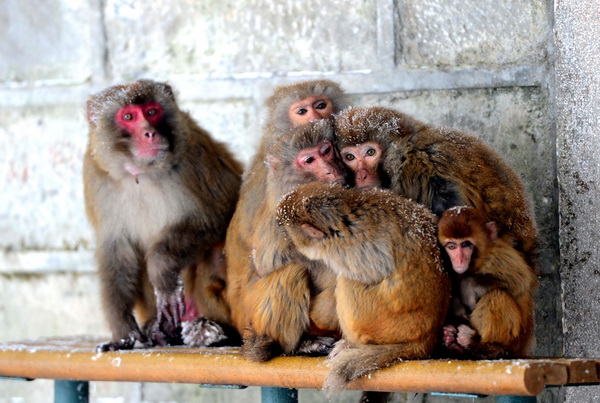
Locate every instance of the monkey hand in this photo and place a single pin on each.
(450, 334)
(166, 328)
(123, 344)
(317, 345)
(202, 332)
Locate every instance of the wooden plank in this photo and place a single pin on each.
(75, 358)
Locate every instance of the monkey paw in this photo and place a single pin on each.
(170, 307)
(449, 337)
(319, 345)
(465, 336)
(202, 332)
(123, 344)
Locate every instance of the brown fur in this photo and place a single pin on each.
(501, 308)
(441, 168)
(392, 292)
(148, 232)
(245, 235)
(271, 284)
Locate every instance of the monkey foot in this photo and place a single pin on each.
(123, 344)
(202, 332)
(157, 336)
(465, 336)
(170, 308)
(319, 345)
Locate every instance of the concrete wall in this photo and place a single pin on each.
(483, 66)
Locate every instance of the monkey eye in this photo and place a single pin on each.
(321, 105)
(309, 160)
(450, 246)
(371, 152)
(301, 111)
(349, 157)
(326, 150)
(466, 244)
(128, 116)
(152, 112)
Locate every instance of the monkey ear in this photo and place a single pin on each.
(492, 230)
(312, 231)
(272, 163)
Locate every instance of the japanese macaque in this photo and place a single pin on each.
(276, 294)
(288, 107)
(159, 192)
(437, 167)
(492, 309)
(392, 291)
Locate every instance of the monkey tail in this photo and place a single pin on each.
(348, 363)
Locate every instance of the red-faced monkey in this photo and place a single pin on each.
(159, 192)
(492, 309)
(437, 167)
(273, 290)
(288, 107)
(392, 291)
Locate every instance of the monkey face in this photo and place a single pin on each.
(311, 108)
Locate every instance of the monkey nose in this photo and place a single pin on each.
(149, 135)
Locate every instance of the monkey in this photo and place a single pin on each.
(159, 193)
(282, 302)
(492, 309)
(392, 291)
(287, 108)
(437, 167)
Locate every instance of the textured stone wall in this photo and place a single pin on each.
(482, 66)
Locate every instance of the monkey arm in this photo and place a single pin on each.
(118, 265)
(497, 318)
(175, 250)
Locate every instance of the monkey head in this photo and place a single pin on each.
(463, 232)
(364, 137)
(131, 126)
(305, 154)
(296, 104)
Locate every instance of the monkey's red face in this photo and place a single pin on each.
(363, 160)
(141, 122)
(320, 162)
(311, 108)
(460, 252)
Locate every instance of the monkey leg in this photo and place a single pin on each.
(497, 318)
(177, 249)
(279, 304)
(120, 287)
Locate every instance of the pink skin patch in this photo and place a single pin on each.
(191, 312)
(319, 161)
(141, 121)
(363, 160)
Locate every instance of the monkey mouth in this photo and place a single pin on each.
(153, 151)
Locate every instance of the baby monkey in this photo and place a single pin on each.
(491, 314)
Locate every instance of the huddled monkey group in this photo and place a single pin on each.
(355, 232)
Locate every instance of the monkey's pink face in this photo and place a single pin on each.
(320, 162)
(311, 108)
(140, 121)
(460, 252)
(363, 160)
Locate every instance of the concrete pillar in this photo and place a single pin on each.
(577, 33)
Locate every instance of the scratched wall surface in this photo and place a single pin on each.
(523, 75)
